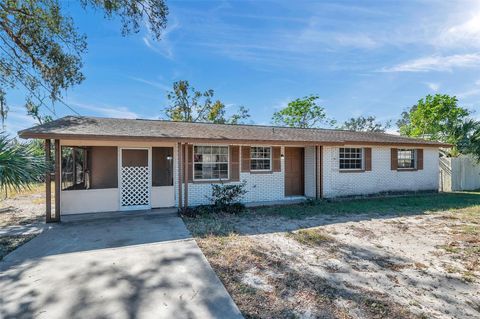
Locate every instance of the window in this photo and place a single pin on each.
(89, 167)
(260, 158)
(351, 158)
(210, 162)
(406, 158)
(162, 166)
(74, 168)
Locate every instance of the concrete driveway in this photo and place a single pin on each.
(132, 266)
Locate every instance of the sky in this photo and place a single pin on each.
(361, 57)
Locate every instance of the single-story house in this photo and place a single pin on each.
(108, 164)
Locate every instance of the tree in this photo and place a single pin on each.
(440, 118)
(365, 124)
(190, 105)
(20, 164)
(303, 113)
(41, 49)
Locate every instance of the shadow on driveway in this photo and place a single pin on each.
(145, 266)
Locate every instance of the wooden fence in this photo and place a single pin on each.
(459, 173)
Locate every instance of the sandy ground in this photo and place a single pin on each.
(22, 215)
(24, 208)
(411, 266)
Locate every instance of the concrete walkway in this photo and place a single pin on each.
(132, 266)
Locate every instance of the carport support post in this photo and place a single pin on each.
(185, 176)
(179, 165)
(319, 171)
(58, 159)
(48, 182)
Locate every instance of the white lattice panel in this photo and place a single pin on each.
(135, 186)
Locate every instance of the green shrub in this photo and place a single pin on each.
(224, 199)
(225, 195)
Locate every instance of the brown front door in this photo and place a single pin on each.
(294, 171)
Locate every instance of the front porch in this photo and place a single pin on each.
(119, 176)
(108, 176)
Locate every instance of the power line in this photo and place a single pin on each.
(35, 95)
(59, 99)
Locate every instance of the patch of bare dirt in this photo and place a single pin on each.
(423, 266)
(22, 209)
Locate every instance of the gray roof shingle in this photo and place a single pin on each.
(80, 127)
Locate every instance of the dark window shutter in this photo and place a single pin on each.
(234, 163)
(394, 159)
(190, 162)
(245, 158)
(419, 159)
(368, 158)
(276, 159)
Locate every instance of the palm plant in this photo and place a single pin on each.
(20, 164)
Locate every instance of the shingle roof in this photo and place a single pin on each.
(79, 127)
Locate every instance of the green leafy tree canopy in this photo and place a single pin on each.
(41, 49)
(365, 124)
(189, 105)
(440, 118)
(303, 113)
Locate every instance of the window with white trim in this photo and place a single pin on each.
(260, 158)
(351, 158)
(406, 158)
(210, 162)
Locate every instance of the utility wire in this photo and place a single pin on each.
(59, 99)
(35, 95)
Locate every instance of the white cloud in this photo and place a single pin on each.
(473, 91)
(313, 38)
(437, 63)
(466, 33)
(109, 111)
(361, 41)
(282, 104)
(17, 120)
(164, 45)
(433, 86)
(155, 84)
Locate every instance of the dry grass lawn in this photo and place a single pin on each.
(407, 257)
(20, 208)
(23, 207)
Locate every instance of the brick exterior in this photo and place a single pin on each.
(261, 187)
(381, 178)
(271, 186)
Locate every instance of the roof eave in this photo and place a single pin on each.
(32, 135)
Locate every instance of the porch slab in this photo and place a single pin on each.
(119, 214)
(132, 266)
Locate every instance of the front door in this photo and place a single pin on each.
(294, 171)
(135, 178)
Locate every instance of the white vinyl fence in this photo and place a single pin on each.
(459, 173)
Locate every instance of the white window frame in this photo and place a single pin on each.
(252, 158)
(210, 179)
(362, 150)
(414, 159)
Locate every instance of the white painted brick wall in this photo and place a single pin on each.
(271, 187)
(309, 171)
(260, 188)
(381, 178)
